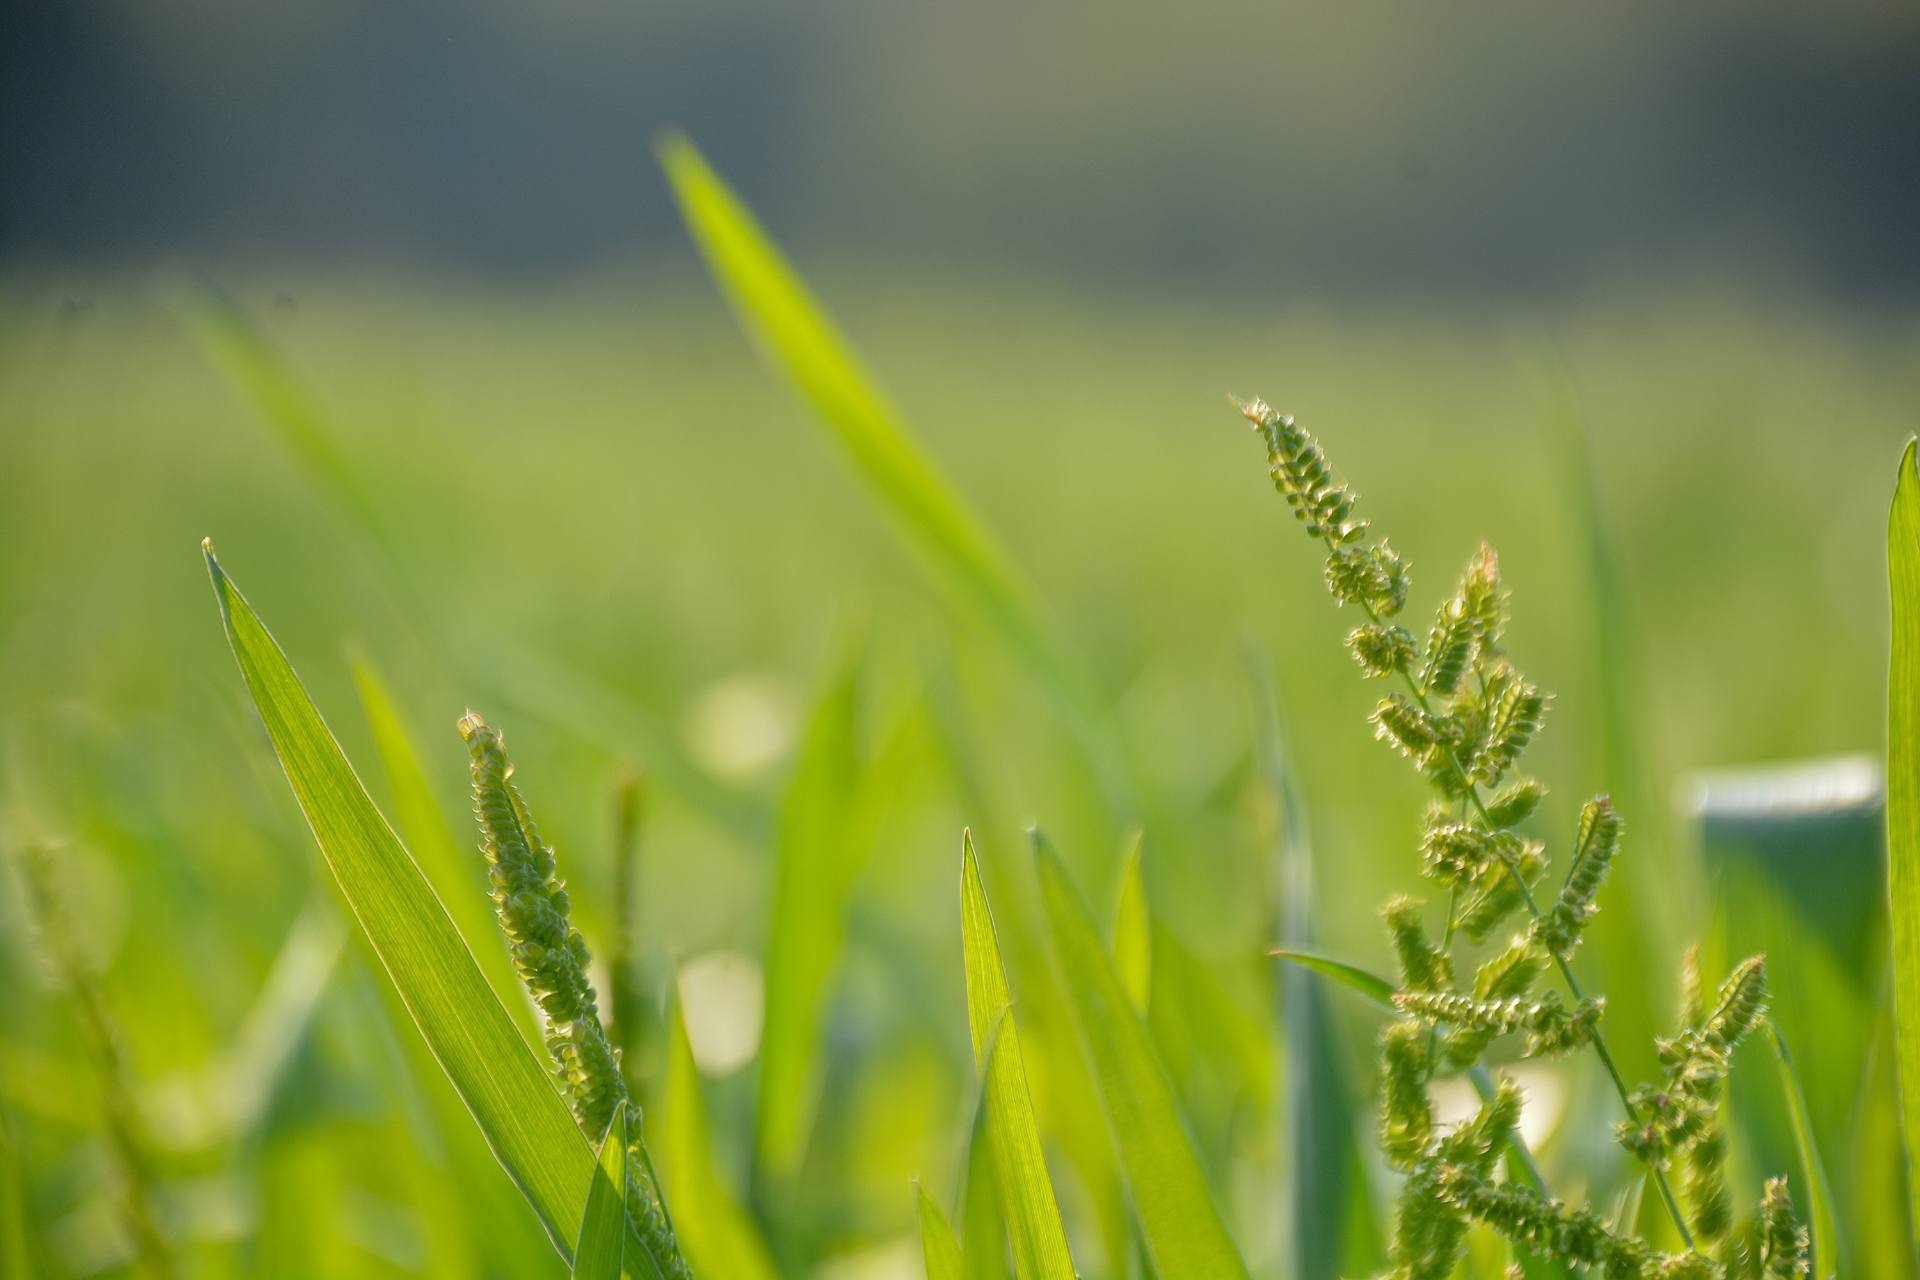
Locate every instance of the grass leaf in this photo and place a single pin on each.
(796, 336)
(716, 1233)
(937, 1243)
(1903, 798)
(1182, 1227)
(507, 1089)
(1372, 986)
(603, 1222)
(1013, 1136)
(1813, 1170)
(1133, 931)
(817, 857)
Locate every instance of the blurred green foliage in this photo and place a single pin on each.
(588, 510)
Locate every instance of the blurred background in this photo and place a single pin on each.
(1635, 295)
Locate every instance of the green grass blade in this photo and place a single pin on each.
(1372, 986)
(457, 874)
(796, 336)
(1182, 1227)
(1133, 931)
(1813, 1170)
(716, 1233)
(505, 1087)
(817, 856)
(937, 1243)
(1903, 800)
(603, 1222)
(1013, 1136)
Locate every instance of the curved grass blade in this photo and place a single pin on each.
(796, 336)
(1903, 801)
(1182, 1227)
(938, 1246)
(1372, 986)
(1813, 1170)
(716, 1233)
(507, 1090)
(818, 854)
(602, 1234)
(1013, 1137)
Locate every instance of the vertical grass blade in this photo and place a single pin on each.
(796, 336)
(1813, 1170)
(1903, 800)
(458, 876)
(1013, 1137)
(938, 1246)
(1182, 1227)
(817, 856)
(506, 1088)
(719, 1238)
(1133, 931)
(603, 1222)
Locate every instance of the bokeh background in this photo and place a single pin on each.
(1632, 293)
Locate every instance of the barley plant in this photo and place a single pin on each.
(1463, 715)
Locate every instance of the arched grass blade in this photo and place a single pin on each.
(1184, 1233)
(603, 1222)
(1813, 1170)
(1372, 986)
(938, 1246)
(1019, 1165)
(716, 1233)
(796, 336)
(507, 1089)
(1903, 800)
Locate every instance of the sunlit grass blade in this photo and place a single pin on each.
(1019, 1165)
(817, 857)
(506, 1088)
(938, 1247)
(716, 1233)
(458, 876)
(796, 336)
(1352, 976)
(1824, 1221)
(602, 1234)
(1903, 800)
(1133, 930)
(1182, 1226)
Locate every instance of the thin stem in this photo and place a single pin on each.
(1533, 909)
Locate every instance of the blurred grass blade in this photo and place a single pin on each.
(1181, 1225)
(457, 876)
(1903, 800)
(1019, 1165)
(797, 337)
(818, 854)
(1372, 986)
(1133, 931)
(503, 1084)
(1813, 1170)
(719, 1238)
(603, 1222)
(938, 1246)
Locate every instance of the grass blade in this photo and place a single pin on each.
(603, 1222)
(818, 854)
(1813, 1170)
(506, 1088)
(1903, 799)
(456, 874)
(1013, 1136)
(718, 1236)
(1181, 1225)
(1372, 986)
(1133, 931)
(796, 336)
(937, 1243)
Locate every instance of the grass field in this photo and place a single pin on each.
(587, 511)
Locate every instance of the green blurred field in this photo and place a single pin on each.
(591, 514)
